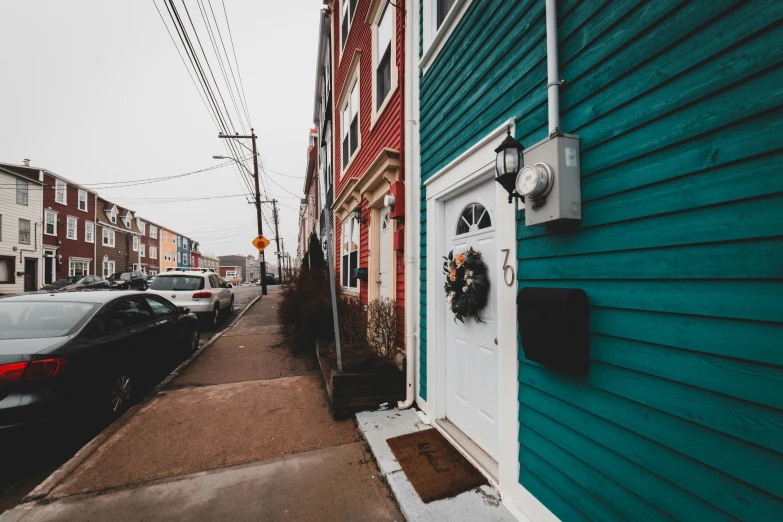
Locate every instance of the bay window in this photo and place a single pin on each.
(79, 268)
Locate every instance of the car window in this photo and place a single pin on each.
(31, 320)
(131, 311)
(160, 307)
(214, 281)
(223, 282)
(178, 283)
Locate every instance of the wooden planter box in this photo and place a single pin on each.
(350, 393)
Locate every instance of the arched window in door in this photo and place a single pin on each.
(474, 217)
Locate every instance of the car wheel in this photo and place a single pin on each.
(120, 395)
(231, 307)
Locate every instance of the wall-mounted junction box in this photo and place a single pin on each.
(551, 181)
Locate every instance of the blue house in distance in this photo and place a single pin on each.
(676, 108)
(183, 251)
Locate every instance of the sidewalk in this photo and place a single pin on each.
(243, 434)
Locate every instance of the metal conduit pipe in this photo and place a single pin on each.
(553, 73)
(410, 260)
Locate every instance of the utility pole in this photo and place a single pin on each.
(282, 258)
(258, 200)
(277, 240)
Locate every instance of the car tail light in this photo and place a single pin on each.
(202, 295)
(12, 372)
(44, 368)
(41, 369)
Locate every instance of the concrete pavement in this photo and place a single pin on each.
(244, 432)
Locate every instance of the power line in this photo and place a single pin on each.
(282, 187)
(234, 51)
(284, 175)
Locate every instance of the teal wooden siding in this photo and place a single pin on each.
(679, 106)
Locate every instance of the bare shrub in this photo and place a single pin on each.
(382, 328)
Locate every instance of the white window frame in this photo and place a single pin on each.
(351, 226)
(72, 225)
(108, 266)
(127, 220)
(23, 190)
(29, 231)
(142, 226)
(165, 235)
(53, 215)
(166, 255)
(179, 242)
(434, 37)
(82, 198)
(89, 232)
(391, 12)
(346, 102)
(153, 252)
(113, 215)
(345, 10)
(85, 264)
(153, 232)
(143, 250)
(107, 233)
(60, 191)
(135, 243)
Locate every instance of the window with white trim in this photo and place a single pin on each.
(24, 231)
(22, 192)
(350, 252)
(179, 242)
(153, 252)
(50, 223)
(71, 232)
(7, 270)
(165, 235)
(60, 191)
(127, 220)
(166, 255)
(349, 122)
(78, 268)
(153, 232)
(142, 226)
(135, 243)
(108, 266)
(383, 54)
(143, 250)
(192, 261)
(108, 237)
(347, 10)
(442, 9)
(113, 215)
(89, 231)
(83, 200)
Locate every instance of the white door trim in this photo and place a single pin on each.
(472, 168)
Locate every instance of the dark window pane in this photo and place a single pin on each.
(131, 312)
(344, 30)
(160, 307)
(353, 7)
(178, 283)
(353, 265)
(354, 133)
(443, 9)
(345, 270)
(383, 78)
(345, 151)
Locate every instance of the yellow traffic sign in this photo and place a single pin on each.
(260, 243)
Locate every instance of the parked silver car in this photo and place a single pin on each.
(207, 294)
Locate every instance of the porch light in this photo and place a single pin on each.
(508, 163)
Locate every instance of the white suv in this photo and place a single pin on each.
(203, 291)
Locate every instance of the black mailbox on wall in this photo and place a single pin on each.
(554, 329)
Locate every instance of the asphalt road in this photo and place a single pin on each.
(30, 456)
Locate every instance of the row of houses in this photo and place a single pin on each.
(52, 227)
(650, 135)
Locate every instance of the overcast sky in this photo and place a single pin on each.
(95, 90)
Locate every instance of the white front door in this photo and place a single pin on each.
(471, 350)
(384, 254)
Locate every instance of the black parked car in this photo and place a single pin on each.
(128, 281)
(72, 352)
(77, 283)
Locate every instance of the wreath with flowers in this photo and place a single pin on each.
(467, 284)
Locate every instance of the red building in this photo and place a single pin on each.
(68, 228)
(368, 58)
(232, 274)
(148, 248)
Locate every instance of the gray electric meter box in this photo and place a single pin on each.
(551, 181)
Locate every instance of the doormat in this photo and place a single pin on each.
(435, 468)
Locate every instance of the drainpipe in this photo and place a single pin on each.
(553, 80)
(410, 323)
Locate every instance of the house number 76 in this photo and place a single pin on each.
(508, 270)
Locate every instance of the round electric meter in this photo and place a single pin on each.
(535, 180)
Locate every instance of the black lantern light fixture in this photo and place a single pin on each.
(508, 163)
